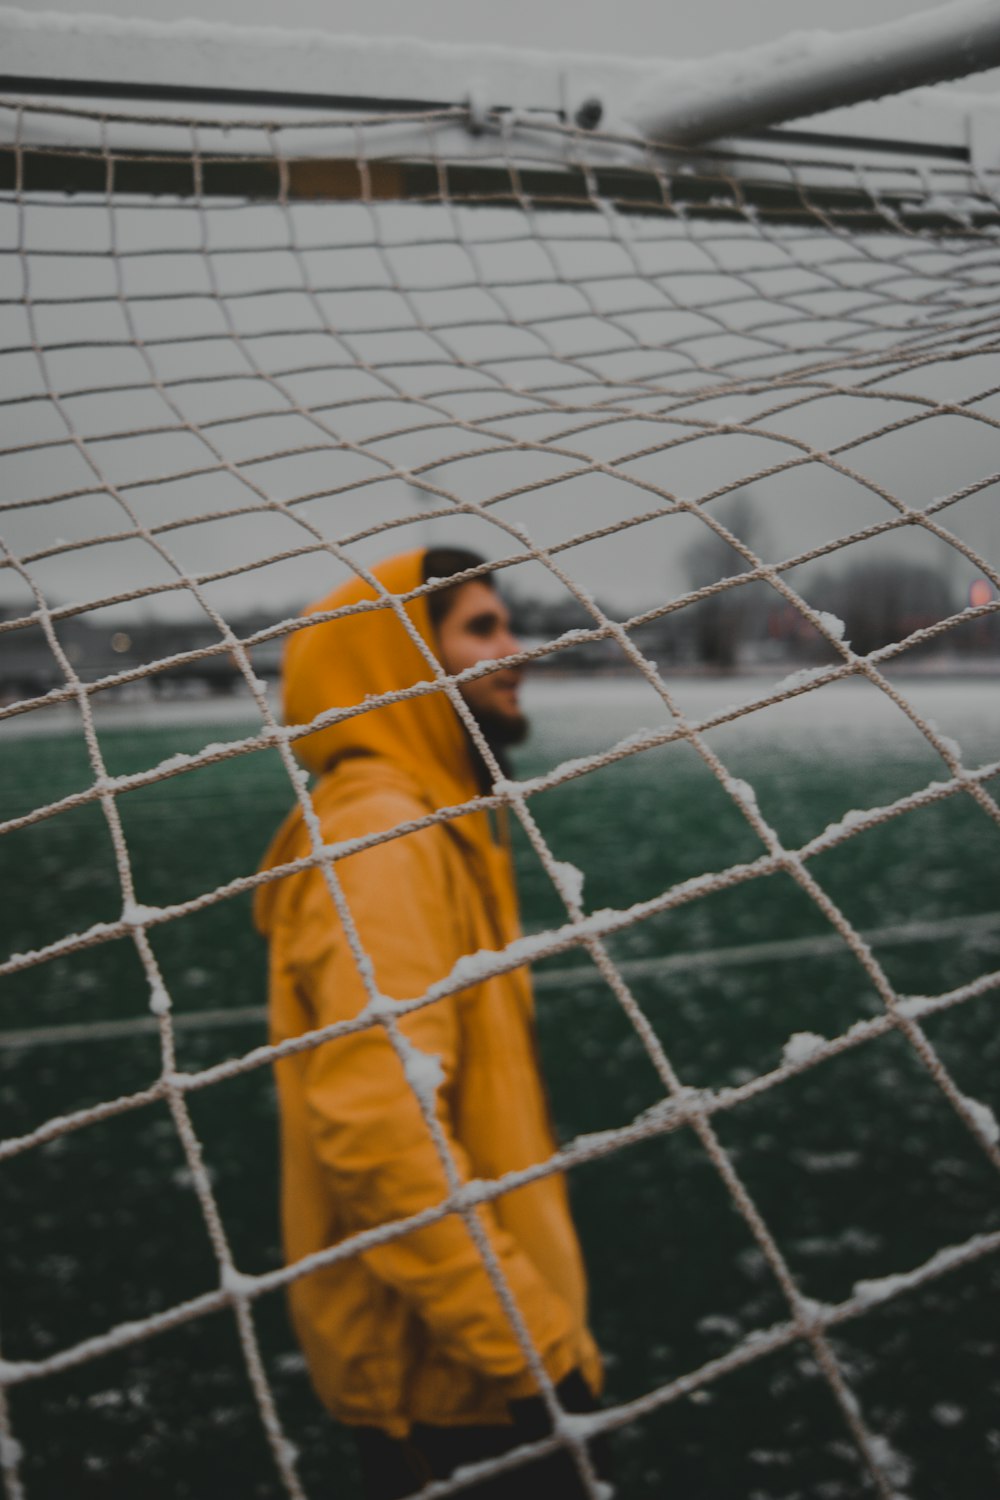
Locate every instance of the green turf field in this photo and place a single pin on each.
(859, 1166)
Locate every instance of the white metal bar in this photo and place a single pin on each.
(808, 73)
(297, 63)
(221, 61)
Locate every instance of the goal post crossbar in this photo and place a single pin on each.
(684, 101)
(309, 116)
(728, 104)
(807, 74)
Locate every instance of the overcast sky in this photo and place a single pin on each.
(636, 566)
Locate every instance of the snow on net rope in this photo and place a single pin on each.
(267, 307)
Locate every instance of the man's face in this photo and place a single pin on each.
(477, 628)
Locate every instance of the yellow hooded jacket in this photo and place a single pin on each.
(413, 1329)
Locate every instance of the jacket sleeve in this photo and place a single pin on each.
(366, 1121)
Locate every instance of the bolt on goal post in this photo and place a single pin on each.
(274, 306)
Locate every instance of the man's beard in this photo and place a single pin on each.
(499, 731)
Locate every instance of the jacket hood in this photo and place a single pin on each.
(343, 662)
(340, 663)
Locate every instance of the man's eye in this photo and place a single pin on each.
(483, 626)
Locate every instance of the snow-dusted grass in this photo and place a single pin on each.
(857, 1164)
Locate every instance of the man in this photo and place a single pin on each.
(409, 1342)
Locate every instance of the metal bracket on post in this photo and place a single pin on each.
(584, 98)
(475, 103)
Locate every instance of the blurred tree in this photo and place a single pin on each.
(883, 600)
(720, 623)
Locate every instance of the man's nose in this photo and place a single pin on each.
(510, 645)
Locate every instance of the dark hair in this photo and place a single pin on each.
(442, 562)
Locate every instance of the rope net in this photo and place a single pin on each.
(239, 369)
